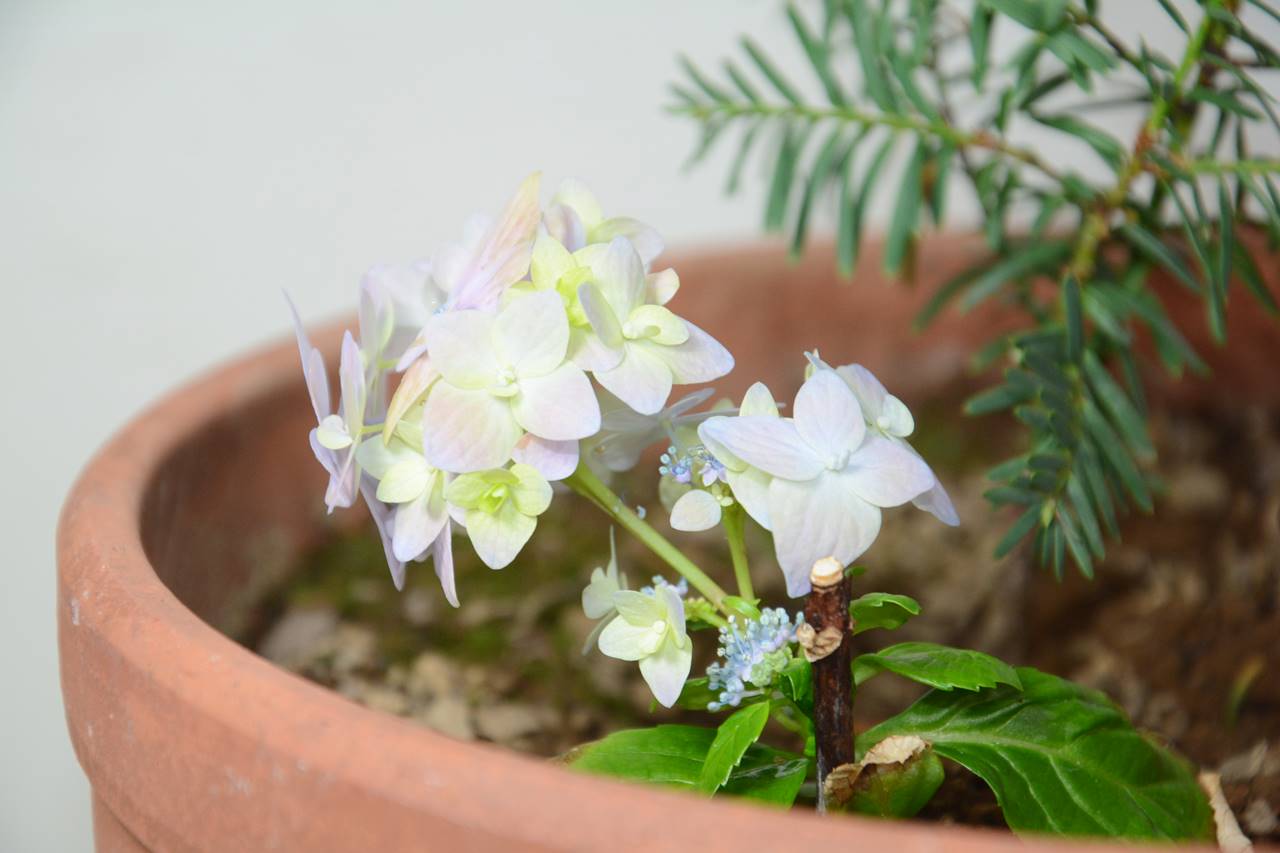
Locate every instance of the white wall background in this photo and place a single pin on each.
(166, 168)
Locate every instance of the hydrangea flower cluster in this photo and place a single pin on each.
(492, 347)
(541, 348)
(752, 653)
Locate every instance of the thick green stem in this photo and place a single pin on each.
(586, 483)
(734, 521)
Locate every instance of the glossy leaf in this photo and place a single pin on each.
(1060, 758)
(943, 667)
(673, 755)
(881, 610)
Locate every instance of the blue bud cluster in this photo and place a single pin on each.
(694, 464)
(753, 652)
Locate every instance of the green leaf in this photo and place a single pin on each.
(1038, 257)
(903, 224)
(881, 610)
(1117, 456)
(996, 399)
(772, 74)
(1075, 323)
(942, 667)
(673, 755)
(1107, 146)
(696, 695)
(1025, 12)
(819, 57)
(1148, 244)
(1116, 403)
(796, 683)
(790, 142)
(979, 42)
(1060, 758)
(735, 735)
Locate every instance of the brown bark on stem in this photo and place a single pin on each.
(826, 613)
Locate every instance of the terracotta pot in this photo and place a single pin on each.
(206, 500)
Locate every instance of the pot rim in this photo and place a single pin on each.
(149, 687)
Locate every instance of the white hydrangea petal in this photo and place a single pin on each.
(597, 597)
(657, 324)
(559, 406)
(341, 491)
(870, 393)
(554, 460)
(532, 332)
(589, 352)
(532, 492)
(701, 358)
(937, 503)
(498, 537)
(624, 641)
(563, 223)
(667, 670)
(696, 510)
(895, 418)
(885, 473)
(413, 385)
(751, 489)
(499, 257)
(442, 556)
(464, 430)
(601, 315)
(638, 608)
(376, 457)
(313, 369)
(417, 524)
(642, 380)
(574, 194)
(620, 274)
(383, 520)
(759, 401)
(550, 260)
(332, 433)
(771, 444)
(818, 519)
(827, 415)
(461, 347)
(646, 239)
(406, 479)
(661, 286)
(351, 381)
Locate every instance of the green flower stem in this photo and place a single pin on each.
(734, 520)
(586, 483)
(961, 139)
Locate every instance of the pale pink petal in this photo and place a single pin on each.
(532, 332)
(382, 520)
(313, 369)
(559, 406)
(554, 460)
(413, 384)
(464, 430)
(461, 348)
(502, 256)
(442, 556)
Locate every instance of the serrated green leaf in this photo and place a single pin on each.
(673, 755)
(733, 738)
(881, 610)
(942, 667)
(1060, 758)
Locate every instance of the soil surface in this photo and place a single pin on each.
(1181, 625)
